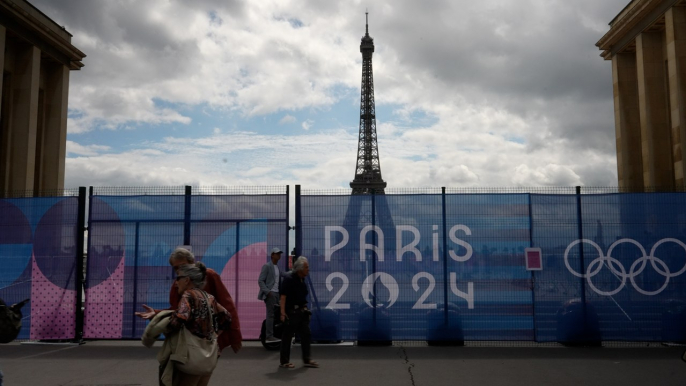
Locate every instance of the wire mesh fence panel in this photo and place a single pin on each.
(408, 265)
(449, 268)
(131, 238)
(487, 235)
(634, 270)
(557, 292)
(38, 253)
(232, 235)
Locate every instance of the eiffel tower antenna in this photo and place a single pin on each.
(368, 178)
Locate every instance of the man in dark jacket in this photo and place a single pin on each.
(295, 314)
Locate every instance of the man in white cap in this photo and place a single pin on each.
(269, 291)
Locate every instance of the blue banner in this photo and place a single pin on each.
(38, 252)
(453, 267)
(131, 238)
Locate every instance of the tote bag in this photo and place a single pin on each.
(201, 356)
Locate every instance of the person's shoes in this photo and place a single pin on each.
(272, 340)
(312, 364)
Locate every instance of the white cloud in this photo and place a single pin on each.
(236, 158)
(74, 148)
(256, 172)
(548, 175)
(287, 119)
(512, 93)
(306, 125)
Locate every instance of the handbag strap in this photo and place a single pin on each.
(210, 310)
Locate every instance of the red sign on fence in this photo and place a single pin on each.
(534, 260)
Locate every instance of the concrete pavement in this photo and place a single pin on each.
(119, 363)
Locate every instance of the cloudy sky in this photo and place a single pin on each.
(230, 92)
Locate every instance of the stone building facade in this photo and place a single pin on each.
(647, 46)
(36, 56)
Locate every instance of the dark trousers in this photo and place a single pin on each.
(297, 322)
(270, 301)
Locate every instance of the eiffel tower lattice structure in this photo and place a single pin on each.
(368, 178)
(368, 212)
(368, 205)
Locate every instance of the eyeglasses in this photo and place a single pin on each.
(179, 278)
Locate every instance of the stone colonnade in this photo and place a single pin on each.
(647, 46)
(36, 57)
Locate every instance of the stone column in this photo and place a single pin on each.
(627, 128)
(675, 29)
(652, 97)
(3, 35)
(24, 119)
(55, 130)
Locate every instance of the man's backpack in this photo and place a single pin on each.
(10, 320)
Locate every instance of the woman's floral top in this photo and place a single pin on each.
(193, 312)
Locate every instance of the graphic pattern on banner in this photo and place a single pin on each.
(387, 268)
(614, 266)
(38, 251)
(132, 237)
(620, 276)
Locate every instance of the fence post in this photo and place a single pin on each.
(187, 217)
(298, 223)
(288, 227)
(238, 259)
(581, 248)
(374, 243)
(135, 277)
(445, 256)
(80, 237)
(533, 273)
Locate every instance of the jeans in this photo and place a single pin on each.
(297, 322)
(270, 301)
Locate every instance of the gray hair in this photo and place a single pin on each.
(182, 254)
(195, 272)
(298, 264)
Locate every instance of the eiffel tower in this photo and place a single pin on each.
(368, 172)
(368, 206)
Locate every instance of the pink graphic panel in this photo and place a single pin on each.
(105, 307)
(53, 308)
(244, 288)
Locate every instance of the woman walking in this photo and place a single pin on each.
(199, 313)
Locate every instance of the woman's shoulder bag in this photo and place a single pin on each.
(201, 354)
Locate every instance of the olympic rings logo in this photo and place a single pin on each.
(618, 269)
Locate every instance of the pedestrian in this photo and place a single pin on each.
(198, 312)
(295, 314)
(214, 287)
(269, 281)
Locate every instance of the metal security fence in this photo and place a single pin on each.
(132, 233)
(452, 266)
(571, 264)
(40, 240)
